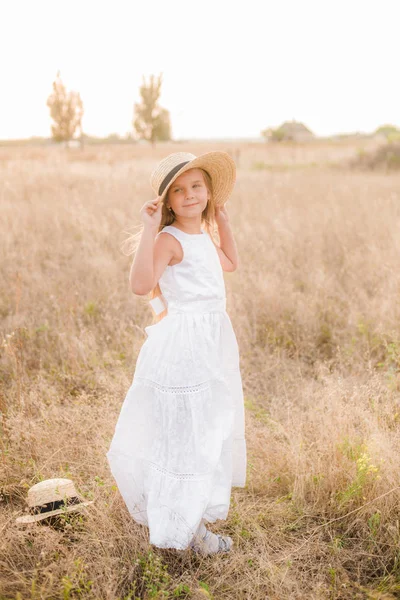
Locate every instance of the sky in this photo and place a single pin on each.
(230, 68)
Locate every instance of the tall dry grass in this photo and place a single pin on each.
(315, 308)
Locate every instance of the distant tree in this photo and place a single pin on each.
(288, 131)
(387, 129)
(162, 128)
(273, 135)
(66, 110)
(390, 132)
(151, 122)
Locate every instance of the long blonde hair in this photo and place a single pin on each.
(167, 218)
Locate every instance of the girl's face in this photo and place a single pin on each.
(188, 195)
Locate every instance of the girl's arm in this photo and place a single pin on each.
(152, 256)
(228, 253)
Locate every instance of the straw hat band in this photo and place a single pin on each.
(170, 175)
(44, 508)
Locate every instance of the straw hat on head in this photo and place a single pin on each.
(219, 165)
(52, 497)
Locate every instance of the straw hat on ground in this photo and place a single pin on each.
(52, 497)
(219, 165)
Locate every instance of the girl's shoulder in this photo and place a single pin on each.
(176, 233)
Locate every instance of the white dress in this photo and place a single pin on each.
(179, 443)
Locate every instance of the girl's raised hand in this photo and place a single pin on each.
(151, 212)
(221, 214)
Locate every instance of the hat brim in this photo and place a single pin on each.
(222, 170)
(52, 513)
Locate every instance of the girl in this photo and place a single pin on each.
(179, 444)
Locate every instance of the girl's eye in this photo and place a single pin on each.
(196, 185)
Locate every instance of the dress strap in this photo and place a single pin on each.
(173, 231)
(179, 235)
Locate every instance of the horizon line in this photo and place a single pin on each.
(125, 137)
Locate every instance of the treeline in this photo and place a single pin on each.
(151, 122)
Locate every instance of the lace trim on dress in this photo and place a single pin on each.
(192, 389)
(180, 476)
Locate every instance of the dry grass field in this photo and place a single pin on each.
(315, 306)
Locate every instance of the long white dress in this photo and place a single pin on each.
(179, 442)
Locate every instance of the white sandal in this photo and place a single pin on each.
(224, 543)
(201, 545)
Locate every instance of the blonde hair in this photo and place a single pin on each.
(167, 218)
